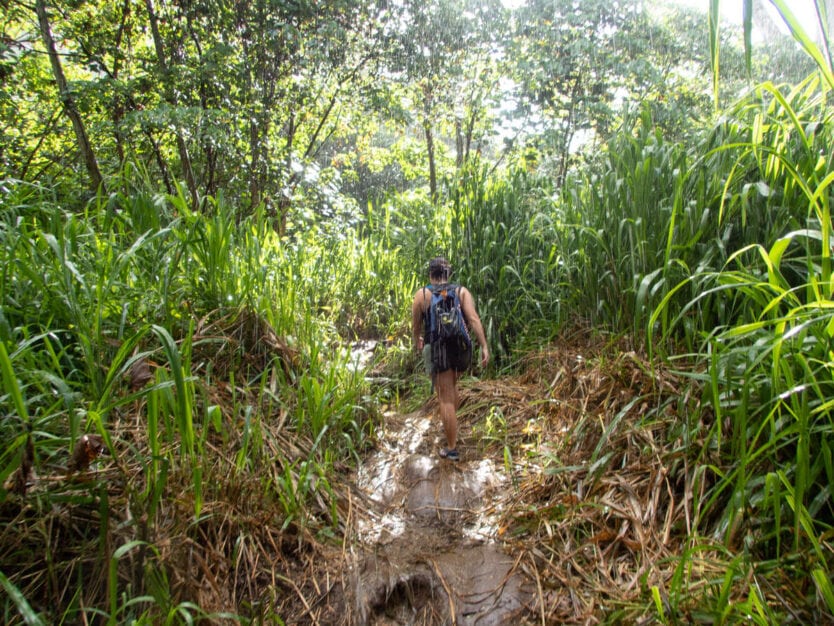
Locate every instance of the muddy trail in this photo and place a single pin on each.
(425, 550)
(570, 497)
(580, 487)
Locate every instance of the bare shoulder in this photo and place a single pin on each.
(467, 301)
(464, 294)
(422, 297)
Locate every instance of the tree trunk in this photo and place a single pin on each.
(254, 164)
(432, 165)
(206, 94)
(459, 157)
(162, 63)
(427, 103)
(259, 98)
(463, 138)
(118, 99)
(67, 100)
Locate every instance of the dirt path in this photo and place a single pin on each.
(584, 524)
(426, 549)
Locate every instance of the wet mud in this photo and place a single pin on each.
(426, 550)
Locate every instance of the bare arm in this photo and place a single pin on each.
(473, 320)
(418, 307)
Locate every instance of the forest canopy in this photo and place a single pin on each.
(312, 109)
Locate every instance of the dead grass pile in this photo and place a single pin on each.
(601, 501)
(240, 341)
(599, 504)
(93, 539)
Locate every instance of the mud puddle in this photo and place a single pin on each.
(426, 549)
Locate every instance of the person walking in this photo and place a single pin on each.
(445, 362)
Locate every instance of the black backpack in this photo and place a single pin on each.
(447, 327)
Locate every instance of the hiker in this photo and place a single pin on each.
(446, 361)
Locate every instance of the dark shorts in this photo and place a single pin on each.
(442, 358)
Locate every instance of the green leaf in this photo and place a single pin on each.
(747, 17)
(806, 41)
(23, 607)
(823, 582)
(11, 385)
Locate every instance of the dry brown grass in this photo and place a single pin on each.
(599, 506)
(602, 503)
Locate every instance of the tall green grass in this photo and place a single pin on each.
(766, 348)
(717, 256)
(633, 227)
(247, 336)
(501, 236)
(623, 234)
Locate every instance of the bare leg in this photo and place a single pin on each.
(447, 396)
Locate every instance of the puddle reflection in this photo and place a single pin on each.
(410, 484)
(433, 533)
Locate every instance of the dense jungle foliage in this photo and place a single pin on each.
(203, 205)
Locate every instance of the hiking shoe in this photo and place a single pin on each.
(452, 455)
